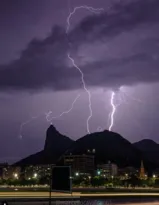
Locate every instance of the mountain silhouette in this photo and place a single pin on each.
(149, 148)
(55, 145)
(56, 142)
(108, 146)
(147, 145)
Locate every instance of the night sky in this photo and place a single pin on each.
(117, 51)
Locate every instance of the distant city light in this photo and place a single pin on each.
(15, 175)
(93, 150)
(35, 175)
(154, 176)
(4, 203)
(77, 174)
(98, 172)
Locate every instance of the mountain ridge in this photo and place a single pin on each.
(55, 145)
(149, 148)
(108, 146)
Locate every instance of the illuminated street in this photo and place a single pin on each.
(78, 198)
(66, 195)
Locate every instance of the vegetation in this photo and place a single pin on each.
(99, 181)
(87, 181)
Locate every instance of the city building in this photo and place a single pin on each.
(36, 171)
(142, 173)
(80, 164)
(11, 172)
(156, 173)
(107, 170)
(2, 166)
(91, 151)
(125, 173)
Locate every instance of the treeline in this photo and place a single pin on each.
(133, 181)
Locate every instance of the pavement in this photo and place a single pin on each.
(39, 195)
(77, 198)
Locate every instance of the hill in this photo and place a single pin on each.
(109, 146)
(149, 148)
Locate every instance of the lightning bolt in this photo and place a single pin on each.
(91, 9)
(87, 91)
(25, 123)
(122, 98)
(113, 111)
(63, 113)
(126, 95)
(47, 116)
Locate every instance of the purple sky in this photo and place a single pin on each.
(117, 50)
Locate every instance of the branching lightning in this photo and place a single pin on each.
(126, 95)
(123, 99)
(47, 116)
(27, 122)
(87, 91)
(49, 119)
(91, 9)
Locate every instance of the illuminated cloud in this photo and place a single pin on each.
(111, 48)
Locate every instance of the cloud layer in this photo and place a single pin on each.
(120, 47)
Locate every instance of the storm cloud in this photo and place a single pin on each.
(112, 49)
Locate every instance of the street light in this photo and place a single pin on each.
(98, 172)
(35, 175)
(154, 176)
(16, 175)
(77, 174)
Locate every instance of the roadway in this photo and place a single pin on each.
(74, 195)
(42, 198)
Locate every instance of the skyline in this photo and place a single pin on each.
(117, 51)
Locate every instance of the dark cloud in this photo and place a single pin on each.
(138, 68)
(123, 18)
(44, 63)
